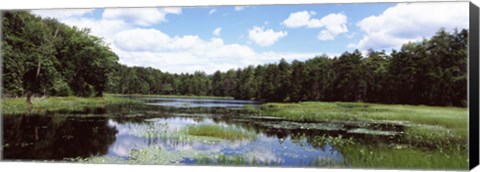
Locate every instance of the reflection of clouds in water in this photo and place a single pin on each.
(129, 128)
(124, 144)
(267, 156)
(264, 149)
(133, 136)
(238, 143)
(269, 150)
(156, 124)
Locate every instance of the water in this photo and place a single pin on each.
(116, 131)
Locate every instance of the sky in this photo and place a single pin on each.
(189, 39)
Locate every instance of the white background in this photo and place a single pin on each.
(67, 167)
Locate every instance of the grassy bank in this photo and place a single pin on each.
(42, 104)
(451, 118)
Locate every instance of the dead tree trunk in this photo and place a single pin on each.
(29, 101)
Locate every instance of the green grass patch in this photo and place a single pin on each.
(43, 104)
(450, 117)
(385, 156)
(390, 155)
(216, 131)
(160, 131)
(452, 120)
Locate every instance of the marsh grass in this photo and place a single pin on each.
(433, 138)
(394, 156)
(450, 117)
(154, 133)
(391, 155)
(216, 131)
(426, 125)
(43, 104)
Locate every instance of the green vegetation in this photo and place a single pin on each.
(435, 137)
(384, 156)
(216, 131)
(57, 67)
(447, 117)
(43, 104)
(147, 155)
(426, 125)
(391, 155)
(45, 57)
(156, 131)
(222, 160)
(42, 56)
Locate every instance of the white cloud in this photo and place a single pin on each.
(172, 10)
(140, 16)
(112, 21)
(142, 40)
(240, 8)
(149, 47)
(212, 11)
(264, 37)
(217, 31)
(333, 24)
(410, 22)
(104, 28)
(299, 19)
(189, 53)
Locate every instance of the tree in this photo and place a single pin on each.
(29, 55)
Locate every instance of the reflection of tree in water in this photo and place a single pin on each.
(37, 137)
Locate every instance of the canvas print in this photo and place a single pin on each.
(371, 85)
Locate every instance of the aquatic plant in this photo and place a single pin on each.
(397, 156)
(153, 155)
(221, 160)
(228, 132)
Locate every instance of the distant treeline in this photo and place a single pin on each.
(45, 57)
(430, 72)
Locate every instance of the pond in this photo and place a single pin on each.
(176, 131)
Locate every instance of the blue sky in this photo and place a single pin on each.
(214, 38)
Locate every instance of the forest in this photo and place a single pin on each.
(43, 57)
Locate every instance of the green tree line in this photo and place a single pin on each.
(430, 72)
(46, 57)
